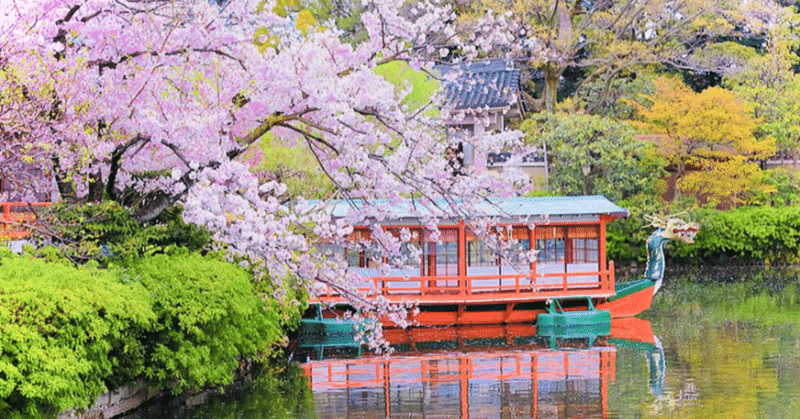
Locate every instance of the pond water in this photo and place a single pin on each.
(714, 345)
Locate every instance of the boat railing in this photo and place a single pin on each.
(12, 217)
(487, 287)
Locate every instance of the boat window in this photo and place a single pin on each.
(550, 244)
(584, 250)
(517, 260)
(481, 257)
(331, 251)
(441, 257)
(584, 243)
(569, 249)
(410, 250)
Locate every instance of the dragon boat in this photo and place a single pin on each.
(459, 279)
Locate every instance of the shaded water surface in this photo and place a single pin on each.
(715, 345)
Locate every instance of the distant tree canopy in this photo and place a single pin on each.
(603, 41)
(768, 83)
(594, 155)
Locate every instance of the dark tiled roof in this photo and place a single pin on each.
(480, 84)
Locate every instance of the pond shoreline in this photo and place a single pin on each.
(130, 397)
(733, 271)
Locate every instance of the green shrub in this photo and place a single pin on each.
(209, 317)
(60, 325)
(747, 234)
(181, 321)
(770, 234)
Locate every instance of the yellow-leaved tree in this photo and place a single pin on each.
(708, 140)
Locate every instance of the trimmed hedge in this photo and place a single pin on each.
(769, 234)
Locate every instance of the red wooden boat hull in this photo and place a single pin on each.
(629, 305)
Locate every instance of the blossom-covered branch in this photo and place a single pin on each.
(164, 98)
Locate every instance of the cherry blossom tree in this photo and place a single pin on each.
(154, 103)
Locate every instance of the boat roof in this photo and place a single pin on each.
(497, 207)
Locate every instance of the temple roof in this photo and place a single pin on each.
(481, 84)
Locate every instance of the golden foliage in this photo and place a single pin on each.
(732, 183)
(711, 131)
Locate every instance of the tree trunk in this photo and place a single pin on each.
(65, 187)
(587, 186)
(154, 207)
(96, 187)
(552, 71)
(678, 176)
(552, 74)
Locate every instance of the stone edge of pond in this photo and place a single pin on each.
(114, 403)
(131, 396)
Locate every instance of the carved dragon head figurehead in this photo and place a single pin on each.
(667, 228)
(673, 228)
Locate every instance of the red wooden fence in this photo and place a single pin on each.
(14, 215)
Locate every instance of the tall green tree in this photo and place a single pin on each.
(593, 155)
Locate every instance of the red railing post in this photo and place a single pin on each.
(611, 276)
(379, 289)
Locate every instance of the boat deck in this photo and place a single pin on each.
(491, 289)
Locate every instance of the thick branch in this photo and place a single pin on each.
(269, 123)
(308, 135)
(116, 156)
(65, 187)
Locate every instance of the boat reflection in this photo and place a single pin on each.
(482, 372)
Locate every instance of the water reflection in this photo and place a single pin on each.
(482, 372)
